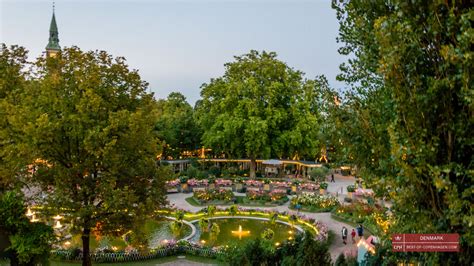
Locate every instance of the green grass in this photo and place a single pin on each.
(312, 209)
(152, 262)
(191, 200)
(367, 231)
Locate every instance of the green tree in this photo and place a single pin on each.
(215, 230)
(319, 173)
(176, 126)
(29, 243)
(293, 219)
(407, 122)
(204, 224)
(233, 210)
(90, 119)
(211, 210)
(13, 80)
(261, 108)
(273, 218)
(312, 252)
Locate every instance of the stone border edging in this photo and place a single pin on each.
(252, 218)
(193, 228)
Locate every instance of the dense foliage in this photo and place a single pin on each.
(29, 243)
(176, 126)
(260, 108)
(89, 121)
(300, 251)
(407, 120)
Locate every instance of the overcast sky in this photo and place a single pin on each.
(179, 45)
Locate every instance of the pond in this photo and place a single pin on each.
(240, 230)
(152, 231)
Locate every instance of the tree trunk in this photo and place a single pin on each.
(253, 165)
(86, 259)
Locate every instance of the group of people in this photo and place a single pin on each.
(360, 233)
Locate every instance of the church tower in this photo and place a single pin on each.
(53, 45)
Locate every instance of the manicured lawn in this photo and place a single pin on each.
(311, 209)
(367, 231)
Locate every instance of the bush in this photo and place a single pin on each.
(341, 260)
(351, 188)
(214, 170)
(319, 174)
(324, 185)
(183, 179)
(268, 234)
(311, 251)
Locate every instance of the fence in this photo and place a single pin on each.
(70, 255)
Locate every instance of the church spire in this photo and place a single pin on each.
(53, 45)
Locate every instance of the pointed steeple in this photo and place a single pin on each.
(53, 45)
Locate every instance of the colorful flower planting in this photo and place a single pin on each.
(308, 187)
(223, 182)
(214, 195)
(276, 196)
(314, 202)
(277, 184)
(253, 183)
(198, 183)
(172, 183)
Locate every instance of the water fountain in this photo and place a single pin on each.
(241, 233)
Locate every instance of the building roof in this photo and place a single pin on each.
(53, 43)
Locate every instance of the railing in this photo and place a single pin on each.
(69, 255)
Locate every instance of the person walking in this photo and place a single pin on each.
(353, 235)
(344, 235)
(332, 178)
(360, 231)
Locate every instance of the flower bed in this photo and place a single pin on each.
(357, 212)
(260, 197)
(308, 187)
(214, 195)
(172, 185)
(314, 202)
(363, 193)
(254, 183)
(193, 182)
(277, 194)
(223, 182)
(281, 185)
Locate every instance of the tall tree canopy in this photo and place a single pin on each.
(261, 108)
(91, 122)
(176, 126)
(13, 80)
(23, 242)
(408, 122)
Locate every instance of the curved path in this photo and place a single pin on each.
(178, 200)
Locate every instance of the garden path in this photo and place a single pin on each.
(337, 247)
